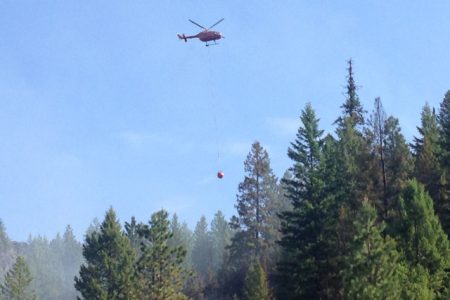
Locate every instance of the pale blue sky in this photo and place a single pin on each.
(101, 104)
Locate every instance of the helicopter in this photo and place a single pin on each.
(205, 36)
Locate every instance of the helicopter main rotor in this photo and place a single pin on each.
(204, 27)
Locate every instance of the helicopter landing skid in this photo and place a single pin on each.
(207, 45)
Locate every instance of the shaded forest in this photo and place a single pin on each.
(360, 214)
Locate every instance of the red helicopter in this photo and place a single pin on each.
(205, 35)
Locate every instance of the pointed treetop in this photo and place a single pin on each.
(352, 107)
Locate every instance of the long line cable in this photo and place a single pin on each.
(212, 102)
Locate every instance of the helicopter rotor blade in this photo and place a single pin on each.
(197, 24)
(216, 23)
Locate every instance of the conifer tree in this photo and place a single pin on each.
(202, 252)
(71, 258)
(391, 161)
(220, 237)
(374, 269)
(17, 281)
(6, 251)
(256, 286)
(108, 272)
(352, 108)
(253, 198)
(421, 238)
(181, 236)
(251, 225)
(444, 122)
(427, 150)
(444, 126)
(399, 162)
(46, 266)
(132, 233)
(160, 268)
(303, 269)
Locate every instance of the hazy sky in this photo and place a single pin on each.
(101, 104)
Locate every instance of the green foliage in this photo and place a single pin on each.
(253, 226)
(352, 109)
(444, 122)
(221, 237)
(430, 166)
(202, 252)
(391, 160)
(256, 285)
(17, 281)
(421, 238)
(160, 269)
(374, 270)
(181, 236)
(6, 251)
(304, 270)
(108, 272)
(444, 126)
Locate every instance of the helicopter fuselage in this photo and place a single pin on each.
(206, 36)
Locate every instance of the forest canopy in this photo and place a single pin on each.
(360, 214)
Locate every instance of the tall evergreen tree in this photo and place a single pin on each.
(108, 272)
(17, 281)
(391, 160)
(352, 108)
(427, 150)
(304, 268)
(251, 225)
(160, 268)
(374, 268)
(181, 236)
(45, 265)
(132, 232)
(428, 168)
(253, 198)
(202, 252)
(444, 122)
(6, 251)
(256, 286)
(421, 238)
(444, 126)
(220, 237)
(71, 258)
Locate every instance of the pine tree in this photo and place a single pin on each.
(444, 122)
(444, 126)
(304, 270)
(253, 198)
(160, 268)
(251, 225)
(132, 233)
(220, 237)
(399, 162)
(427, 150)
(352, 108)
(256, 286)
(374, 267)
(6, 251)
(108, 272)
(46, 266)
(71, 259)
(202, 252)
(391, 161)
(421, 238)
(17, 281)
(182, 236)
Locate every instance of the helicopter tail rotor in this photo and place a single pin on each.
(182, 37)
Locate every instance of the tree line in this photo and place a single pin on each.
(360, 214)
